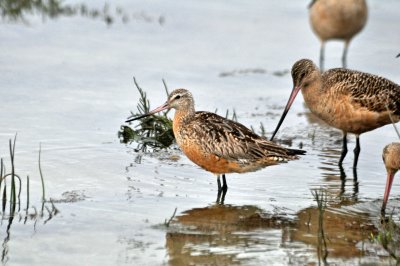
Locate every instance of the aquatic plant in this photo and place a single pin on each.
(388, 237)
(153, 131)
(263, 132)
(168, 222)
(12, 194)
(17, 10)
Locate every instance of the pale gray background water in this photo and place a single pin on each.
(67, 83)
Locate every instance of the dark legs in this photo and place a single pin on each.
(344, 55)
(221, 189)
(357, 150)
(344, 149)
(321, 56)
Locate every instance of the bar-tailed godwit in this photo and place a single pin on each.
(337, 19)
(352, 101)
(391, 158)
(217, 144)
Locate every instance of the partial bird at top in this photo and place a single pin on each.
(337, 20)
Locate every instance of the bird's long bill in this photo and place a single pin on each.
(158, 109)
(289, 103)
(389, 181)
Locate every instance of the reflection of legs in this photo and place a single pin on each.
(357, 150)
(342, 179)
(344, 55)
(321, 56)
(344, 149)
(355, 180)
(221, 189)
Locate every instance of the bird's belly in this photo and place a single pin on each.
(357, 121)
(216, 164)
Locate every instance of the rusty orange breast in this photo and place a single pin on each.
(209, 162)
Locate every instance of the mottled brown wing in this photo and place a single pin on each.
(370, 91)
(232, 140)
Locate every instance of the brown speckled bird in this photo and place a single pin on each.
(217, 144)
(391, 158)
(352, 101)
(337, 20)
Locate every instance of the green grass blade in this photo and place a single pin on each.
(41, 175)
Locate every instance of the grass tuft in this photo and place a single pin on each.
(11, 193)
(389, 238)
(153, 131)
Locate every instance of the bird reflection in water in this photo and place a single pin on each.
(221, 234)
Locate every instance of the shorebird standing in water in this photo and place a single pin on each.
(337, 19)
(391, 158)
(352, 101)
(217, 144)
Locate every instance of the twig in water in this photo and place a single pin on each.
(166, 223)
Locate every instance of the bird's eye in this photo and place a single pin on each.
(177, 97)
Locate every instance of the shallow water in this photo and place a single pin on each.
(67, 83)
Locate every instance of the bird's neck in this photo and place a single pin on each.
(314, 94)
(181, 118)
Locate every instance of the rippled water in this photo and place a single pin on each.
(67, 83)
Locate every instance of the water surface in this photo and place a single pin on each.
(67, 83)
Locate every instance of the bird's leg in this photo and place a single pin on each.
(357, 150)
(321, 56)
(224, 185)
(343, 180)
(219, 189)
(344, 55)
(344, 149)
(219, 183)
(224, 189)
(355, 181)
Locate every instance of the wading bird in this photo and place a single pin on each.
(391, 158)
(217, 144)
(337, 19)
(352, 101)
